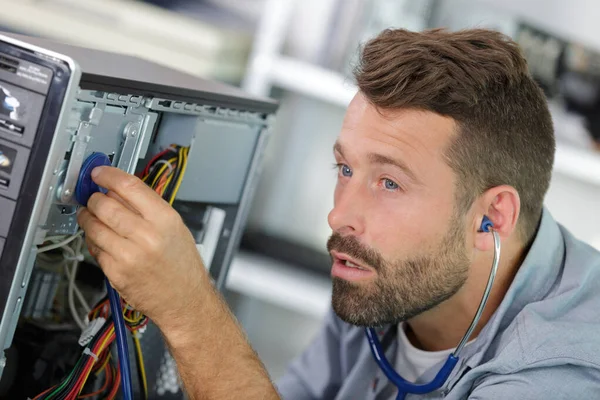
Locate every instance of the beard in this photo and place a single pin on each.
(404, 288)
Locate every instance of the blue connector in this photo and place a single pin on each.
(86, 187)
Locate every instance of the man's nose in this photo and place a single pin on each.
(348, 214)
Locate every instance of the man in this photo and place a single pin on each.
(446, 128)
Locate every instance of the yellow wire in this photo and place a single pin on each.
(132, 321)
(179, 162)
(138, 347)
(162, 169)
(166, 184)
(100, 350)
(99, 371)
(185, 155)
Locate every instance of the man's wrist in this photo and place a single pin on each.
(182, 322)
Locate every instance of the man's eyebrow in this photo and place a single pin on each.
(376, 158)
(337, 147)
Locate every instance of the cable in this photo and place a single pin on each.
(140, 363)
(119, 323)
(162, 169)
(96, 356)
(72, 288)
(107, 381)
(155, 158)
(59, 244)
(185, 153)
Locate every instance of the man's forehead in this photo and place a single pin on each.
(413, 128)
(355, 111)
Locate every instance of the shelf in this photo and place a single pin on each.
(334, 88)
(290, 287)
(133, 28)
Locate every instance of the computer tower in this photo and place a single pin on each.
(60, 105)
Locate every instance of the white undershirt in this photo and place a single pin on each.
(412, 363)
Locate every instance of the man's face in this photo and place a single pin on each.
(398, 245)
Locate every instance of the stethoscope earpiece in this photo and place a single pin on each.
(486, 224)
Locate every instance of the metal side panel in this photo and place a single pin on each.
(254, 171)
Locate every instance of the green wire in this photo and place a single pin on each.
(58, 389)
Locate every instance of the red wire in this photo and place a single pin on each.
(156, 157)
(80, 381)
(98, 308)
(90, 362)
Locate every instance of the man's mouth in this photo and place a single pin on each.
(350, 264)
(348, 268)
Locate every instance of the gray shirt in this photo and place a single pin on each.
(543, 341)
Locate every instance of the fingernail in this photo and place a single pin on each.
(95, 172)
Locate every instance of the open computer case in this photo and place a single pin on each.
(60, 105)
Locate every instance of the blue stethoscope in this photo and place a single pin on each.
(405, 387)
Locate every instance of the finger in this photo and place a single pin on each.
(104, 238)
(131, 189)
(91, 247)
(104, 259)
(120, 200)
(115, 215)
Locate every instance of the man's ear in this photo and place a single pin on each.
(502, 205)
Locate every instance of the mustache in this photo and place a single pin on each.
(352, 247)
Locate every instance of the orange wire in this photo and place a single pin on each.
(117, 380)
(43, 393)
(161, 184)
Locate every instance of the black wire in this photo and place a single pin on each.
(178, 169)
(77, 371)
(154, 171)
(78, 368)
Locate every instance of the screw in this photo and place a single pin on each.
(133, 133)
(67, 193)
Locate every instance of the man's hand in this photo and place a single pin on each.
(142, 246)
(150, 257)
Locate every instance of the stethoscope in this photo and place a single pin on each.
(405, 387)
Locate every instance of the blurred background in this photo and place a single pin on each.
(302, 53)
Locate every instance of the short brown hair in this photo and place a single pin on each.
(480, 79)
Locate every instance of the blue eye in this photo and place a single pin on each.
(345, 170)
(390, 185)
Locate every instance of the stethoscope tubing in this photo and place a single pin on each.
(405, 387)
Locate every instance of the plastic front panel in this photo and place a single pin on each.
(33, 89)
(7, 209)
(13, 162)
(20, 111)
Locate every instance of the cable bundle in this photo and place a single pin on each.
(164, 173)
(96, 358)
